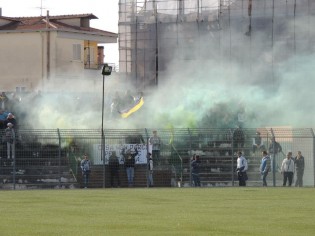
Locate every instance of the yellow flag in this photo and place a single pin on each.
(135, 108)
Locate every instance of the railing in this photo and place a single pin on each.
(50, 158)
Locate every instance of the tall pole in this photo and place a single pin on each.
(272, 46)
(156, 45)
(107, 70)
(103, 137)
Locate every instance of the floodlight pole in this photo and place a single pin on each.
(107, 70)
(103, 136)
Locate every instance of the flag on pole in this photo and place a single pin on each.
(136, 106)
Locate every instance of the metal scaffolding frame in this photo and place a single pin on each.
(154, 35)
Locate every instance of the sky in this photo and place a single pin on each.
(105, 11)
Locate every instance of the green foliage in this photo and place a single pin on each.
(159, 211)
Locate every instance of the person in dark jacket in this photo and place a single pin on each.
(129, 160)
(86, 169)
(238, 138)
(114, 169)
(11, 119)
(195, 170)
(299, 169)
(274, 150)
(150, 170)
(258, 143)
(264, 167)
(10, 138)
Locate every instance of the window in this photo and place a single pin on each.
(76, 52)
(20, 89)
(90, 55)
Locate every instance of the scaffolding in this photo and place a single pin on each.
(159, 36)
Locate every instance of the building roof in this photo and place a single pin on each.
(56, 23)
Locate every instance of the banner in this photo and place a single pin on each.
(141, 158)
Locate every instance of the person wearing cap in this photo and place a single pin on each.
(150, 170)
(10, 138)
(241, 169)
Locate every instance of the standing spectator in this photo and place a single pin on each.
(264, 167)
(114, 169)
(150, 170)
(4, 101)
(130, 165)
(86, 170)
(241, 169)
(299, 168)
(287, 169)
(258, 143)
(195, 170)
(11, 119)
(3, 117)
(274, 149)
(14, 103)
(155, 141)
(238, 138)
(10, 138)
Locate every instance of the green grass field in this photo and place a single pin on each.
(159, 211)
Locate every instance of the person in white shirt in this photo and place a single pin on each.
(241, 169)
(287, 169)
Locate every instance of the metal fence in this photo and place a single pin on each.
(51, 158)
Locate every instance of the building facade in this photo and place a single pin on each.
(51, 53)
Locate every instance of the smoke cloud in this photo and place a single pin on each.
(225, 78)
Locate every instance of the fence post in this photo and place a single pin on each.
(189, 160)
(231, 133)
(147, 139)
(273, 161)
(313, 156)
(103, 157)
(59, 155)
(13, 158)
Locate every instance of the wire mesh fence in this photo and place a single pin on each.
(52, 158)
